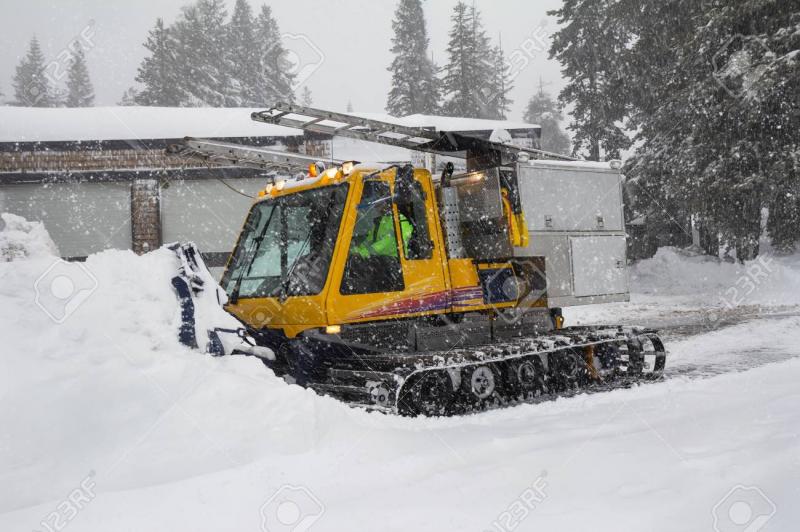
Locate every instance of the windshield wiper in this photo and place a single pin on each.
(234, 297)
(284, 284)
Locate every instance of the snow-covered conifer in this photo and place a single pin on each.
(415, 87)
(31, 85)
(80, 92)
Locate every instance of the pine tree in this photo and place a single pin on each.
(489, 83)
(203, 61)
(663, 192)
(349, 106)
(31, 85)
(243, 59)
(80, 92)
(201, 36)
(159, 73)
(415, 88)
(460, 67)
(589, 46)
(129, 98)
(544, 111)
(306, 99)
(276, 79)
(496, 101)
(718, 132)
(713, 91)
(471, 81)
(783, 223)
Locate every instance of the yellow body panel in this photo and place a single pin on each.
(464, 279)
(517, 228)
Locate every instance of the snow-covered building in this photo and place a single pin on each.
(100, 178)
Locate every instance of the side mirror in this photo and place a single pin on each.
(447, 174)
(410, 200)
(404, 185)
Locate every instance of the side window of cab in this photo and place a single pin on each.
(373, 261)
(417, 244)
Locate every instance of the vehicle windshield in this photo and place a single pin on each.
(286, 245)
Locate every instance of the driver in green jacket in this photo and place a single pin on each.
(382, 240)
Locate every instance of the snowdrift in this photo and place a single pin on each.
(20, 239)
(85, 380)
(177, 440)
(677, 287)
(768, 280)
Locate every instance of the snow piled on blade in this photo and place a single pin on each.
(215, 330)
(21, 239)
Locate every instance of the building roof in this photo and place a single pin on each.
(36, 124)
(32, 124)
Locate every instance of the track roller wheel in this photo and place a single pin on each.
(429, 394)
(482, 384)
(569, 371)
(528, 377)
(653, 356)
(636, 361)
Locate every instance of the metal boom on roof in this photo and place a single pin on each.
(446, 143)
(240, 155)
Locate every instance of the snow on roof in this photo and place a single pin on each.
(32, 124)
(449, 123)
(452, 123)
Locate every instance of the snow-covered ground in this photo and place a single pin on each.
(110, 424)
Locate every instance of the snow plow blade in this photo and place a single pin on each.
(205, 325)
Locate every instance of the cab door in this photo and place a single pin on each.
(391, 264)
(421, 248)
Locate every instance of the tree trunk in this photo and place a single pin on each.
(594, 150)
(709, 239)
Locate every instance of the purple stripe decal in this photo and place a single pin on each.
(430, 302)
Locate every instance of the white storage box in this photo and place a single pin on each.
(575, 219)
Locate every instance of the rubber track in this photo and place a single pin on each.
(568, 343)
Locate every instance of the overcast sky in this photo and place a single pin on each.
(352, 36)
